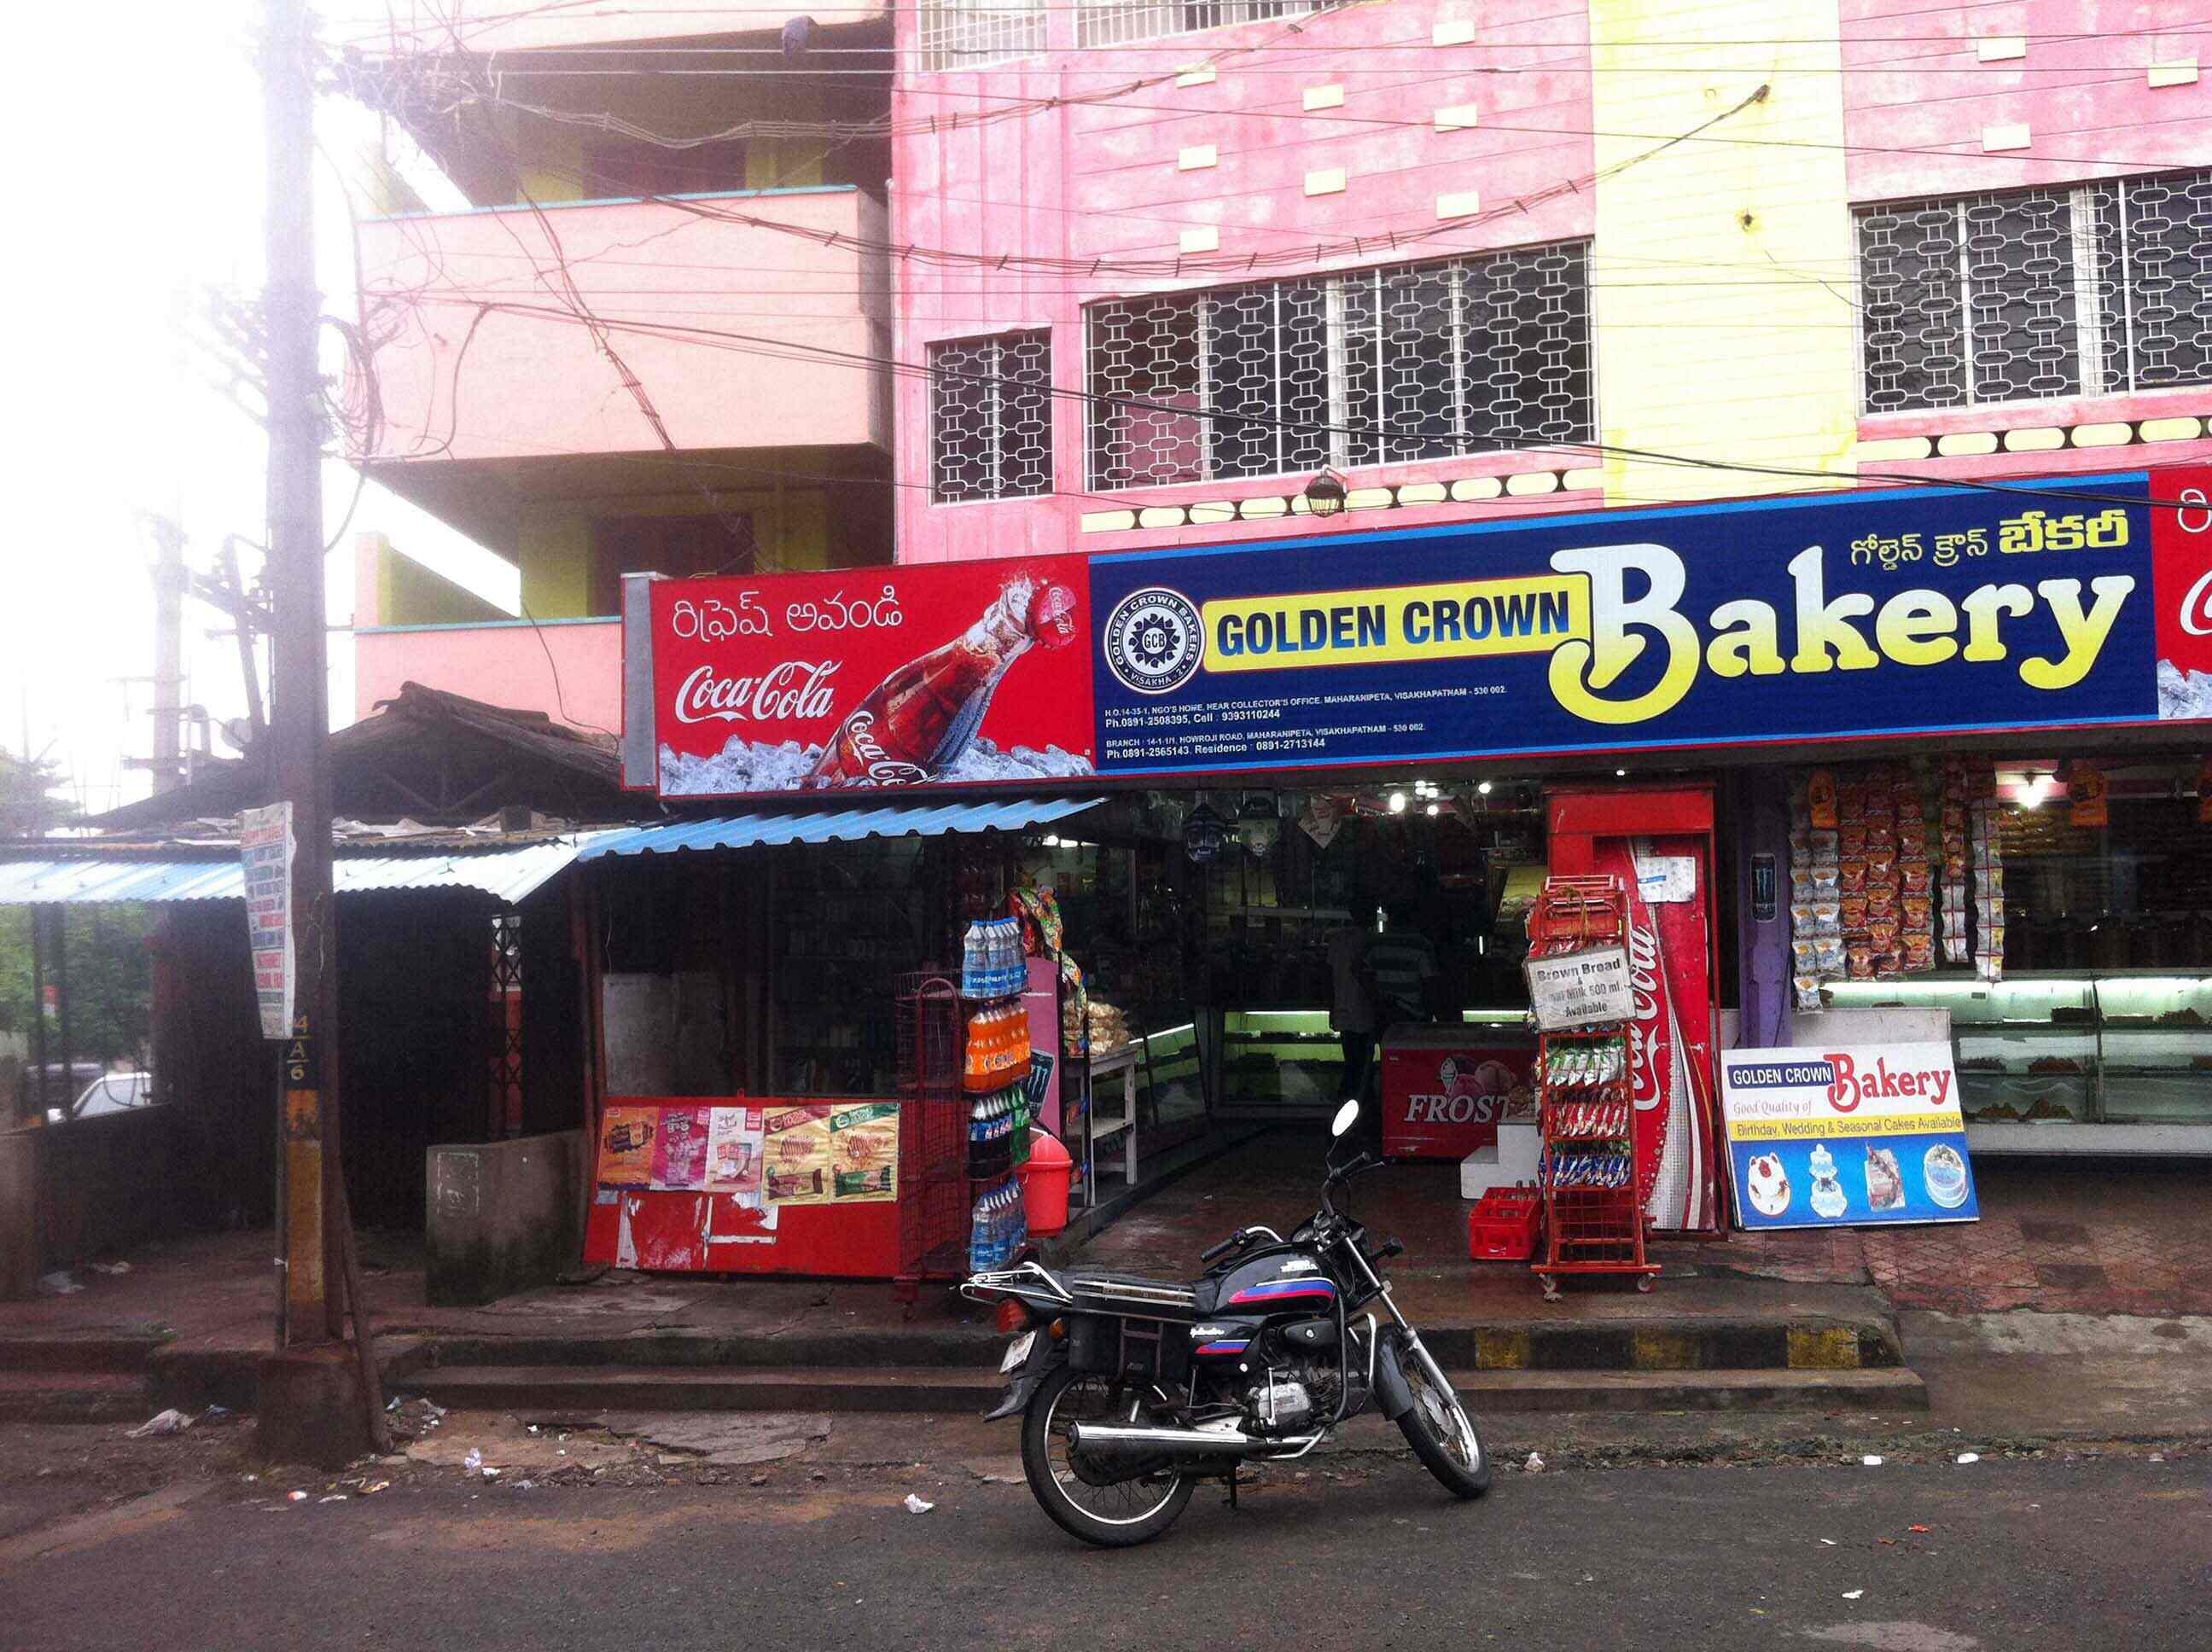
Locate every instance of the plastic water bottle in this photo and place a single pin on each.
(979, 1246)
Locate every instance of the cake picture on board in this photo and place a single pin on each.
(1768, 1185)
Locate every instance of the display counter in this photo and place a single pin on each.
(2117, 1061)
(1274, 1062)
(749, 1185)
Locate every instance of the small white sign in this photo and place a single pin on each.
(1662, 877)
(266, 849)
(1581, 989)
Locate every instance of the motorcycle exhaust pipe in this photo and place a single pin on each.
(1112, 1440)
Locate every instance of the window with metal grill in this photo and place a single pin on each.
(1113, 22)
(990, 417)
(1413, 362)
(968, 33)
(2086, 290)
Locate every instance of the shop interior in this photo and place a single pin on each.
(1202, 921)
(2102, 1014)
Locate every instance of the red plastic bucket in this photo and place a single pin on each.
(1044, 1178)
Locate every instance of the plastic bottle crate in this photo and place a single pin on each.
(1502, 1227)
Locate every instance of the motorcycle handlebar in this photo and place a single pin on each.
(1223, 1249)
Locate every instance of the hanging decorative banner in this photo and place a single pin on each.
(1322, 819)
(1848, 1136)
(266, 848)
(2087, 790)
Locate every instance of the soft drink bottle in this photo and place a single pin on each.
(975, 968)
(925, 715)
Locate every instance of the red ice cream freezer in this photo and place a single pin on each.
(1444, 1087)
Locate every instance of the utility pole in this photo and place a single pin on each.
(317, 1401)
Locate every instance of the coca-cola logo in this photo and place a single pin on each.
(883, 769)
(797, 690)
(1643, 1032)
(2196, 607)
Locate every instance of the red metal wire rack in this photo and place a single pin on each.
(1593, 1207)
(933, 1201)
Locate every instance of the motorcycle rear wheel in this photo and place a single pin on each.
(1117, 1516)
(1443, 1435)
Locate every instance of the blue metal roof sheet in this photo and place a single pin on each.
(837, 825)
(504, 874)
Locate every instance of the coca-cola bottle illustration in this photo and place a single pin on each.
(924, 715)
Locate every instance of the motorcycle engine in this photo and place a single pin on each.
(1293, 1396)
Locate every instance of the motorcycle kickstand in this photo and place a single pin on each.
(1232, 1485)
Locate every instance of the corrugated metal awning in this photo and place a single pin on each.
(837, 825)
(507, 875)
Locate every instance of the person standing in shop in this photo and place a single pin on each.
(1352, 1008)
(1401, 971)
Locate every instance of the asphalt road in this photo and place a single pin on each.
(2111, 1554)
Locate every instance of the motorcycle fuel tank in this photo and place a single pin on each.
(1280, 1282)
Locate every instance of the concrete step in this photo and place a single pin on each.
(72, 1397)
(1663, 1343)
(571, 1391)
(77, 1351)
(1887, 1388)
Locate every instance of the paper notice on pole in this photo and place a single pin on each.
(1581, 989)
(265, 848)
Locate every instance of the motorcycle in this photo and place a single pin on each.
(1132, 1390)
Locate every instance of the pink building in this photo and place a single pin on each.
(1173, 259)
(961, 279)
(656, 339)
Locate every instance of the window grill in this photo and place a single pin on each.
(967, 35)
(2091, 290)
(990, 417)
(1117, 22)
(1412, 362)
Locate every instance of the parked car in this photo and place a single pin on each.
(61, 1083)
(114, 1092)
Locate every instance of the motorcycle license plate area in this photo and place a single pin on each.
(1018, 1352)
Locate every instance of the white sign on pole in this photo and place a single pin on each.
(265, 848)
(1581, 989)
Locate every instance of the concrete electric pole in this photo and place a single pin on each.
(319, 1399)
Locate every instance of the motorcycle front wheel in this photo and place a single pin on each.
(1441, 1434)
(1114, 1514)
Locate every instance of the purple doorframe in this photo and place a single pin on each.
(1762, 823)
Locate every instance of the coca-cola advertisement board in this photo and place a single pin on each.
(944, 674)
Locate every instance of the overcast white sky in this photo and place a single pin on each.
(131, 187)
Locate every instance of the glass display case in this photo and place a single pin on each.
(2124, 1047)
(1277, 1062)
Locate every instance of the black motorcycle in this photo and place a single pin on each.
(1132, 1390)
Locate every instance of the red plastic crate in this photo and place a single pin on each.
(1502, 1227)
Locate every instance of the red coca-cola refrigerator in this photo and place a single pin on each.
(1658, 839)
(1444, 1088)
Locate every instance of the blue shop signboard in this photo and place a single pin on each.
(1846, 1136)
(1900, 611)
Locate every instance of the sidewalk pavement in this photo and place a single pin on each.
(2082, 1302)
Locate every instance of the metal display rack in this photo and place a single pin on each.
(933, 1200)
(1593, 1202)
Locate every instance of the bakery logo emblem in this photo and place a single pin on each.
(1154, 640)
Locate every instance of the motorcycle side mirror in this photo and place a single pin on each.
(1346, 1116)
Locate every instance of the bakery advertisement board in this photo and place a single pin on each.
(1848, 1136)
